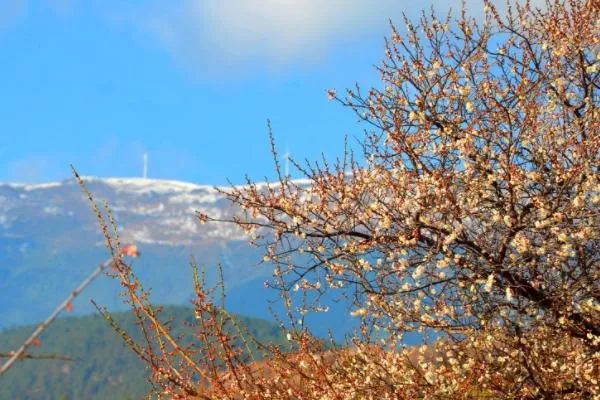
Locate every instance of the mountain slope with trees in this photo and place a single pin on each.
(104, 368)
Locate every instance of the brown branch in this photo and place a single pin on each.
(20, 353)
(30, 356)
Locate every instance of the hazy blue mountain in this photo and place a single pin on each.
(105, 368)
(50, 241)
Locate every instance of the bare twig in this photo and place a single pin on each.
(38, 356)
(20, 353)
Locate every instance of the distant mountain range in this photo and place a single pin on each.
(50, 241)
(105, 368)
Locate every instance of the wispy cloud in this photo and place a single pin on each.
(63, 7)
(33, 168)
(234, 33)
(11, 11)
(278, 31)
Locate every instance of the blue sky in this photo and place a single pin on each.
(192, 82)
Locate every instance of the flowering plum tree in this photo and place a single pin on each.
(472, 219)
(475, 216)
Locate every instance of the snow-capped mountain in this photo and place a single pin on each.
(50, 240)
(148, 211)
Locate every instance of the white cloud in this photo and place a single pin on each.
(32, 169)
(211, 33)
(63, 7)
(10, 11)
(279, 30)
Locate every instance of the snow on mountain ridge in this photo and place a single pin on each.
(139, 185)
(149, 210)
(31, 186)
(144, 185)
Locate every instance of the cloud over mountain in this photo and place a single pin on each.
(234, 33)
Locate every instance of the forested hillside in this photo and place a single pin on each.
(104, 368)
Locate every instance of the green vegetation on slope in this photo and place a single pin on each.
(105, 368)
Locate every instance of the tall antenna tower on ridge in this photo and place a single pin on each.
(287, 163)
(146, 165)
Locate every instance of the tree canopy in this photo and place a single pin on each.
(471, 218)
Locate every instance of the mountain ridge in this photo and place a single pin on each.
(50, 241)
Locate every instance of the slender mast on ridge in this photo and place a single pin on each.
(146, 165)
